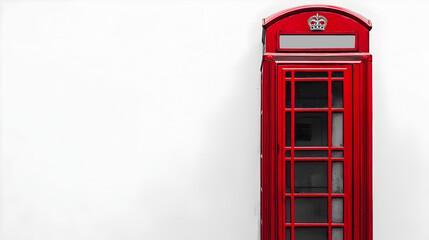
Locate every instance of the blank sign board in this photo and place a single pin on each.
(302, 41)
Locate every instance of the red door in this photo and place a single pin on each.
(315, 164)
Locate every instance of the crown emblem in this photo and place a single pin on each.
(317, 22)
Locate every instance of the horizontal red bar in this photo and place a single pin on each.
(313, 69)
(313, 79)
(315, 110)
(314, 224)
(314, 159)
(315, 148)
(307, 79)
(314, 195)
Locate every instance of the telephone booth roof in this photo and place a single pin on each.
(267, 22)
(339, 23)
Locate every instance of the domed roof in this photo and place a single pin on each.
(267, 22)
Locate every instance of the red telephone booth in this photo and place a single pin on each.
(316, 124)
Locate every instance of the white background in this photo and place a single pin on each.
(140, 119)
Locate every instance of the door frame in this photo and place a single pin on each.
(347, 148)
(362, 137)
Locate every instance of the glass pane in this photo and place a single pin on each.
(287, 129)
(311, 74)
(337, 233)
(311, 177)
(337, 94)
(337, 177)
(311, 129)
(337, 74)
(337, 129)
(288, 75)
(288, 94)
(311, 233)
(304, 41)
(311, 153)
(337, 154)
(311, 210)
(287, 153)
(311, 94)
(288, 210)
(337, 210)
(287, 233)
(288, 176)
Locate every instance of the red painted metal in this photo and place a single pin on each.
(267, 22)
(357, 110)
(347, 112)
(295, 20)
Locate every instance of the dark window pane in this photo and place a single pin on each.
(288, 129)
(288, 176)
(311, 210)
(311, 153)
(311, 94)
(288, 210)
(337, 154)
(309, 233)
(311, 129)
(337, 74)
(337, 94)
(287, 233)
(311, 177)
(287, 153)
(311, 74)
(288, 94)
(288, 75)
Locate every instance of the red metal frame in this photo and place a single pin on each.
(357, 120)
(347, 80)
